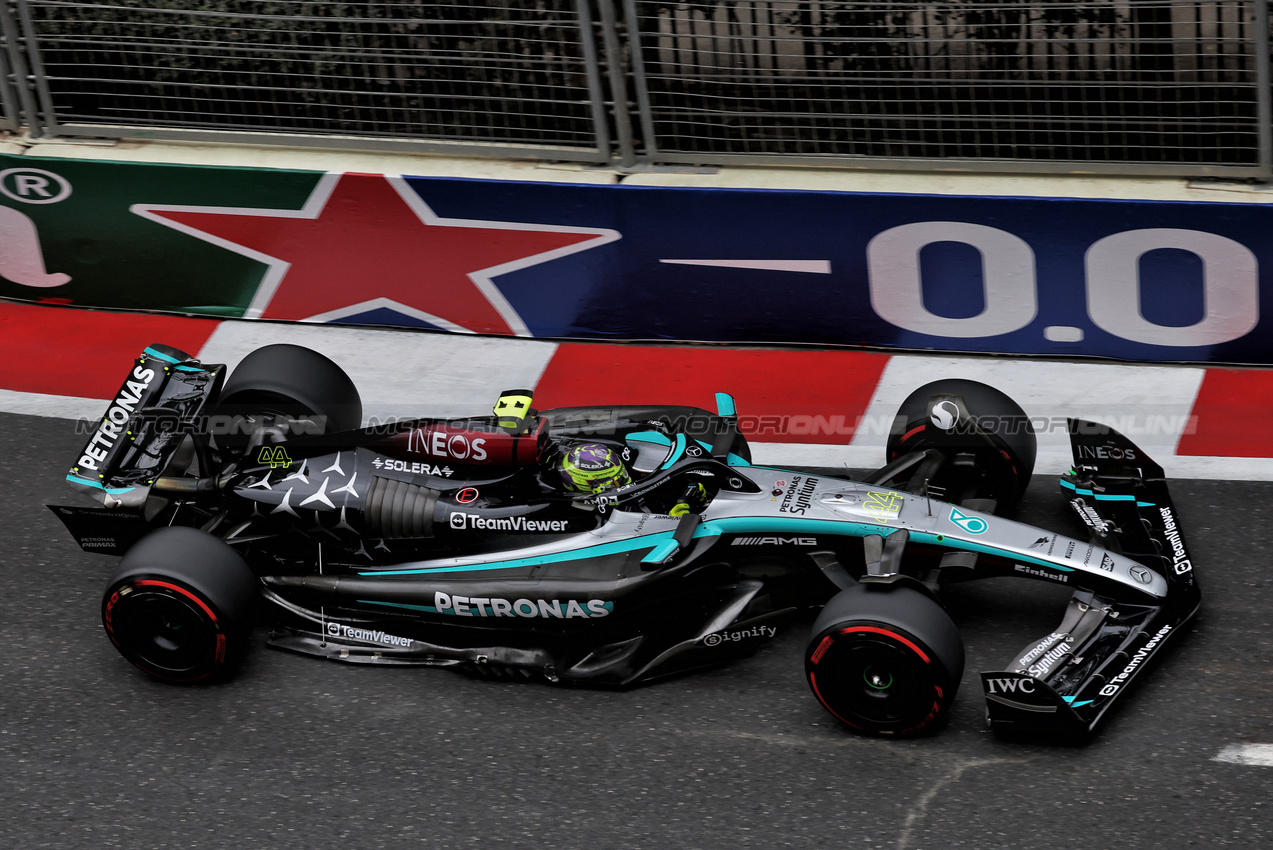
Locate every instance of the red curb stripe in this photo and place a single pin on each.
(84, 353)
(1231, 407)
(782, 396)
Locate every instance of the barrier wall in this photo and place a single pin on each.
(1134, 279)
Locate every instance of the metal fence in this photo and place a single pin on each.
(505, 75)
(1114, 82)
(9, 109)
(1124, 86)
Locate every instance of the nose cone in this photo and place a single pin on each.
(864, 504)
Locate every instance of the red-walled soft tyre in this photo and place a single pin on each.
(885, 662)
(181, 606)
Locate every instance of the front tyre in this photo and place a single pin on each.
(181, 606)
(885, 662)
(961, 417)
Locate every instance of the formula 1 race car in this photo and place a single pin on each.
(479, 544)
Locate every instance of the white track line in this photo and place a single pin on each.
(58, 406)
(1258, 755)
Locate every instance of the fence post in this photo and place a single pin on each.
(8, 100)
(596, 89)
(639, 79)
(1264, 95)
(37, 98)
(618, 85)
(15, 90)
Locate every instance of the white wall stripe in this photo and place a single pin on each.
(872, 456)
(401, 375)
(804, 266)
(1151, 405)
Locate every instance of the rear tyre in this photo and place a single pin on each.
(295, 387)
(1002, 442)
(885, 662)
(181, 606)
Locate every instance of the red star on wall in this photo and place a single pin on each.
(367, 241)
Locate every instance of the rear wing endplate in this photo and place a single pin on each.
(162, 400)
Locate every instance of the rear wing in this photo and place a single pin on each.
(163, 398)
(1068, 680)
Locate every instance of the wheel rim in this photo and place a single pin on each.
(164, 629)
(880, 684)
(876, 680)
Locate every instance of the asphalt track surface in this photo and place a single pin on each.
(298, 752)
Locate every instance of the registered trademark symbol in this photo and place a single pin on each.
(34, 186)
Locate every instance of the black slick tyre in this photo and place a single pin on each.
(885, 661)
(288, 383)
(985, 424)
(181, 606)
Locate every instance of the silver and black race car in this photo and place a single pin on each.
(455, 543)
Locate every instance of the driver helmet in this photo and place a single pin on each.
(592, 468)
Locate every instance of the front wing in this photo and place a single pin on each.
(1066, 682)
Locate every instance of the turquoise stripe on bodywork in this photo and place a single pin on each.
(161, 356)
(661, 552)
(1074, 704)
(748, 525)
(428, 609)
(617, 547)
(75, 479)
(745, 525)
(927, 537)
(715, 528)
(676, 453)
(651, 437)
(1100, 497)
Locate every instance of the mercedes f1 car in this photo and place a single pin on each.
(454, 543)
